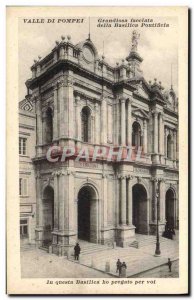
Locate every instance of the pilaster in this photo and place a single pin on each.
(123, 121)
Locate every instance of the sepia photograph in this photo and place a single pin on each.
(98, 148)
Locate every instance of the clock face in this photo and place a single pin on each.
(88, 54)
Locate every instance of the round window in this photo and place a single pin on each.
(88, 54)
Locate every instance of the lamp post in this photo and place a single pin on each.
(157, 251)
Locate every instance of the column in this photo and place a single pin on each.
(123, 200)
(130, 203)
(77, 118)
(129, 137)
(105, 196)
(39, 212)
(162, 200)
(97, 131)
(103, 121)
(118, 121)
(55, 118)
(69, 214)
(123, 122)
(175, 144)
(79, 125)
(92, 129)
(165, 142)
(38, 202)
(145, 136)
(155, 132)
(56, 202)
(61, 100)
(69, 106)
(161, 131)
(63, 222)
(154, 200)
(39, 124)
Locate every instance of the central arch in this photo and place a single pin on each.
(87, 214)
(140, 210)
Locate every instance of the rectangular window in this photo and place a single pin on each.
(23, 228)
(22, 146)
(23, 187)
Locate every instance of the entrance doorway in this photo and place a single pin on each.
(48, 215)
(87, 215)
(170, 208)
(140, 216)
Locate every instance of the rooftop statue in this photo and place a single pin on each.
(135, 38)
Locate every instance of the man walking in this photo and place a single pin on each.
(77, 251)
(169, 264)
(118, 264)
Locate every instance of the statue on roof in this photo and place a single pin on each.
(135, 37)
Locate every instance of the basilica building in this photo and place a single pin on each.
(76, 99)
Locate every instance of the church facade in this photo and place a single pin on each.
(80, 101)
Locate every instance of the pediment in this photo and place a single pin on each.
(140, 91)
(140, 113)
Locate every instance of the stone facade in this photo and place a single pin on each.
(82, 101)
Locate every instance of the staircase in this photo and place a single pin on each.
(147, 240)
(90, 248)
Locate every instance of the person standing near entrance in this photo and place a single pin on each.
(123, 269)
(169, 264)
(77, 251)
(118, 264)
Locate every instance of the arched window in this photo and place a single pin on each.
(49, 125)
(169, 146)
(136, 135)
(86, 124)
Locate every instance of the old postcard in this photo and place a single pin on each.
(97, 141)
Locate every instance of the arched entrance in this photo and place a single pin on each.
(170, 208)
(48, 214)
(87, 214)
(140, 210)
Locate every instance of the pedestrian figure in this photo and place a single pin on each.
(77, 251)
(118, 264)
(169, 264)
(123, 269)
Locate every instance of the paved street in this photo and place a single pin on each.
(39, 264)
(162, 272)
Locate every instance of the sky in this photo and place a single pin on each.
(157, 46)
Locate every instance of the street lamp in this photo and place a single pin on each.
(157, 251)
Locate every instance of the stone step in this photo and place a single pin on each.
(26, 247)
(92, 248)
(149, 240)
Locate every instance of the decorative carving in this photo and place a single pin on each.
(104, 175)
(77, 100)
(139, 179)
(123, 100)
(55, 85)
(48, 181)
(68, 81)
(140, 113)
(38, 176)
